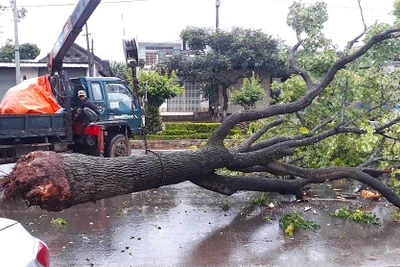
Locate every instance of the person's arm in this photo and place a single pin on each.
(93, 107)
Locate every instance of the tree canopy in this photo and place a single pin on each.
(249, 94)
(154, 87)
(158, 89)
(220, 58)
(27, 51)
(21, 12)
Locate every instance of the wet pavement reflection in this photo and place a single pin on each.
(184, 225)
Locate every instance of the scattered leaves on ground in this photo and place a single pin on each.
(224, 206)
(262, 200)
(358, 215)
(58, 221)
(293, 221)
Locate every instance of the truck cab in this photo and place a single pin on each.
(121, 116)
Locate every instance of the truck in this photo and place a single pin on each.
(121, 111)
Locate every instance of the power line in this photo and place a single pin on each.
(131, 1)
(74, 4)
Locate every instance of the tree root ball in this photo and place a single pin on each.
(40, 179)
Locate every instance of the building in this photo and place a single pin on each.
(190, 101)
(151, 52)
(79, 55)
(75, 64)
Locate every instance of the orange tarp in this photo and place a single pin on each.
(30, 96)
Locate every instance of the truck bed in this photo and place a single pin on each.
(31, 125)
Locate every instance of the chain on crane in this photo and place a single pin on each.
(131, 56)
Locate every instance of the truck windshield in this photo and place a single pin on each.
(119, 93)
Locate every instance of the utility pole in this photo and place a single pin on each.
(215, 94)
(217, 5)
(89, 54)
(16, 43)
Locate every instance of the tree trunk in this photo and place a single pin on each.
(57, 181)
(225, 102)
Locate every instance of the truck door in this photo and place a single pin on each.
(97, 96)
(119, 104)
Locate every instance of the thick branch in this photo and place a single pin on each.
(328, 77)
(259, 156)
(229, 185)
(387, 125)
(292, 60)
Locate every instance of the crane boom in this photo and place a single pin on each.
(70, 32)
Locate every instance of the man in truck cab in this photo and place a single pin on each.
(88, 112)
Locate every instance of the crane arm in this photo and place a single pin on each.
(70, 32)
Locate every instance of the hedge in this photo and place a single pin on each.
(191, 130)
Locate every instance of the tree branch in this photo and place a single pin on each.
(249, 141)
(374, 154)
(352, 42)
(380, 129)
(292, 61)
(328, 77)
(337, 173)
(229, 185)
(259, 156)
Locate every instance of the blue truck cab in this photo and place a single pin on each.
(115, 100)
(121, 116)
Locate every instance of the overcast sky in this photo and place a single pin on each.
(163, 20)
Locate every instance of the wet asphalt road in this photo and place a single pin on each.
(183, 225)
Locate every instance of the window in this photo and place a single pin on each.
(117, 92)
(151, 58)
(96, 91)
(188, 100)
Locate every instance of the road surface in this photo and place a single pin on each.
(184, 225)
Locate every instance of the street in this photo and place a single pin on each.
(184, 225)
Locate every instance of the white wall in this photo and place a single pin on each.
(29, 72)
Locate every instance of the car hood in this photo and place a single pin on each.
(5, 223)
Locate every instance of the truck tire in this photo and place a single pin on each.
(118, 147)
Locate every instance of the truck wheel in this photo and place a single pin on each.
(118, 147)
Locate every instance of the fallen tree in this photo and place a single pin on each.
(58, 181)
